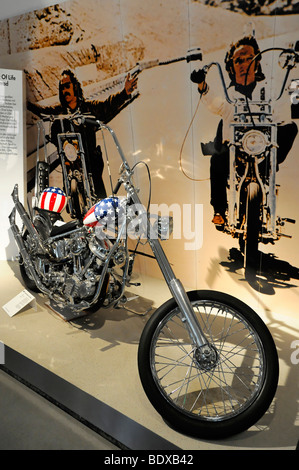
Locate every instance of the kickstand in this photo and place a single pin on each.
(121, 304)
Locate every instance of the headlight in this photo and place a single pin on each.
(70, 152)
(254, 142)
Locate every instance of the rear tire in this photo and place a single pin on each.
(27, 279)
(25, 274)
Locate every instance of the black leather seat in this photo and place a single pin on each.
(65, 228)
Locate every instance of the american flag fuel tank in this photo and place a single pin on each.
(107, 210)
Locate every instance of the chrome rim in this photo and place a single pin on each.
(214, 390)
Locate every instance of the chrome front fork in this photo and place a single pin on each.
(176, 288)
(179, 294)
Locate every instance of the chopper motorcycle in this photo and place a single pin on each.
(207, 362)
(252, 188)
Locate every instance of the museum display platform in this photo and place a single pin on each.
(88, 367)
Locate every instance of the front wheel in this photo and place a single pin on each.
(209, 399)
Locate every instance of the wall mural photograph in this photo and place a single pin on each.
(145, 74)
(205, 94)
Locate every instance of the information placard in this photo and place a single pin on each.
(9, 116)
(20, 301)
(12, 151)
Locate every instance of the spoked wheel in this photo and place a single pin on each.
(213, 392)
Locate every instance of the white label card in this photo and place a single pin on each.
(20, 301)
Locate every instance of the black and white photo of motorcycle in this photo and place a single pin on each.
(247, 152)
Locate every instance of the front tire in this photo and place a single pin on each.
(215, 400)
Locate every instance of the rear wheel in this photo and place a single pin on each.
(25, 273)
(77, 200)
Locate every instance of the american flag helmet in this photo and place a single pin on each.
(52, 199)
(105, 211)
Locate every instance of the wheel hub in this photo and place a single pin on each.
(206, 357)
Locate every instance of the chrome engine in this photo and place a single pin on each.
(73, 264)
